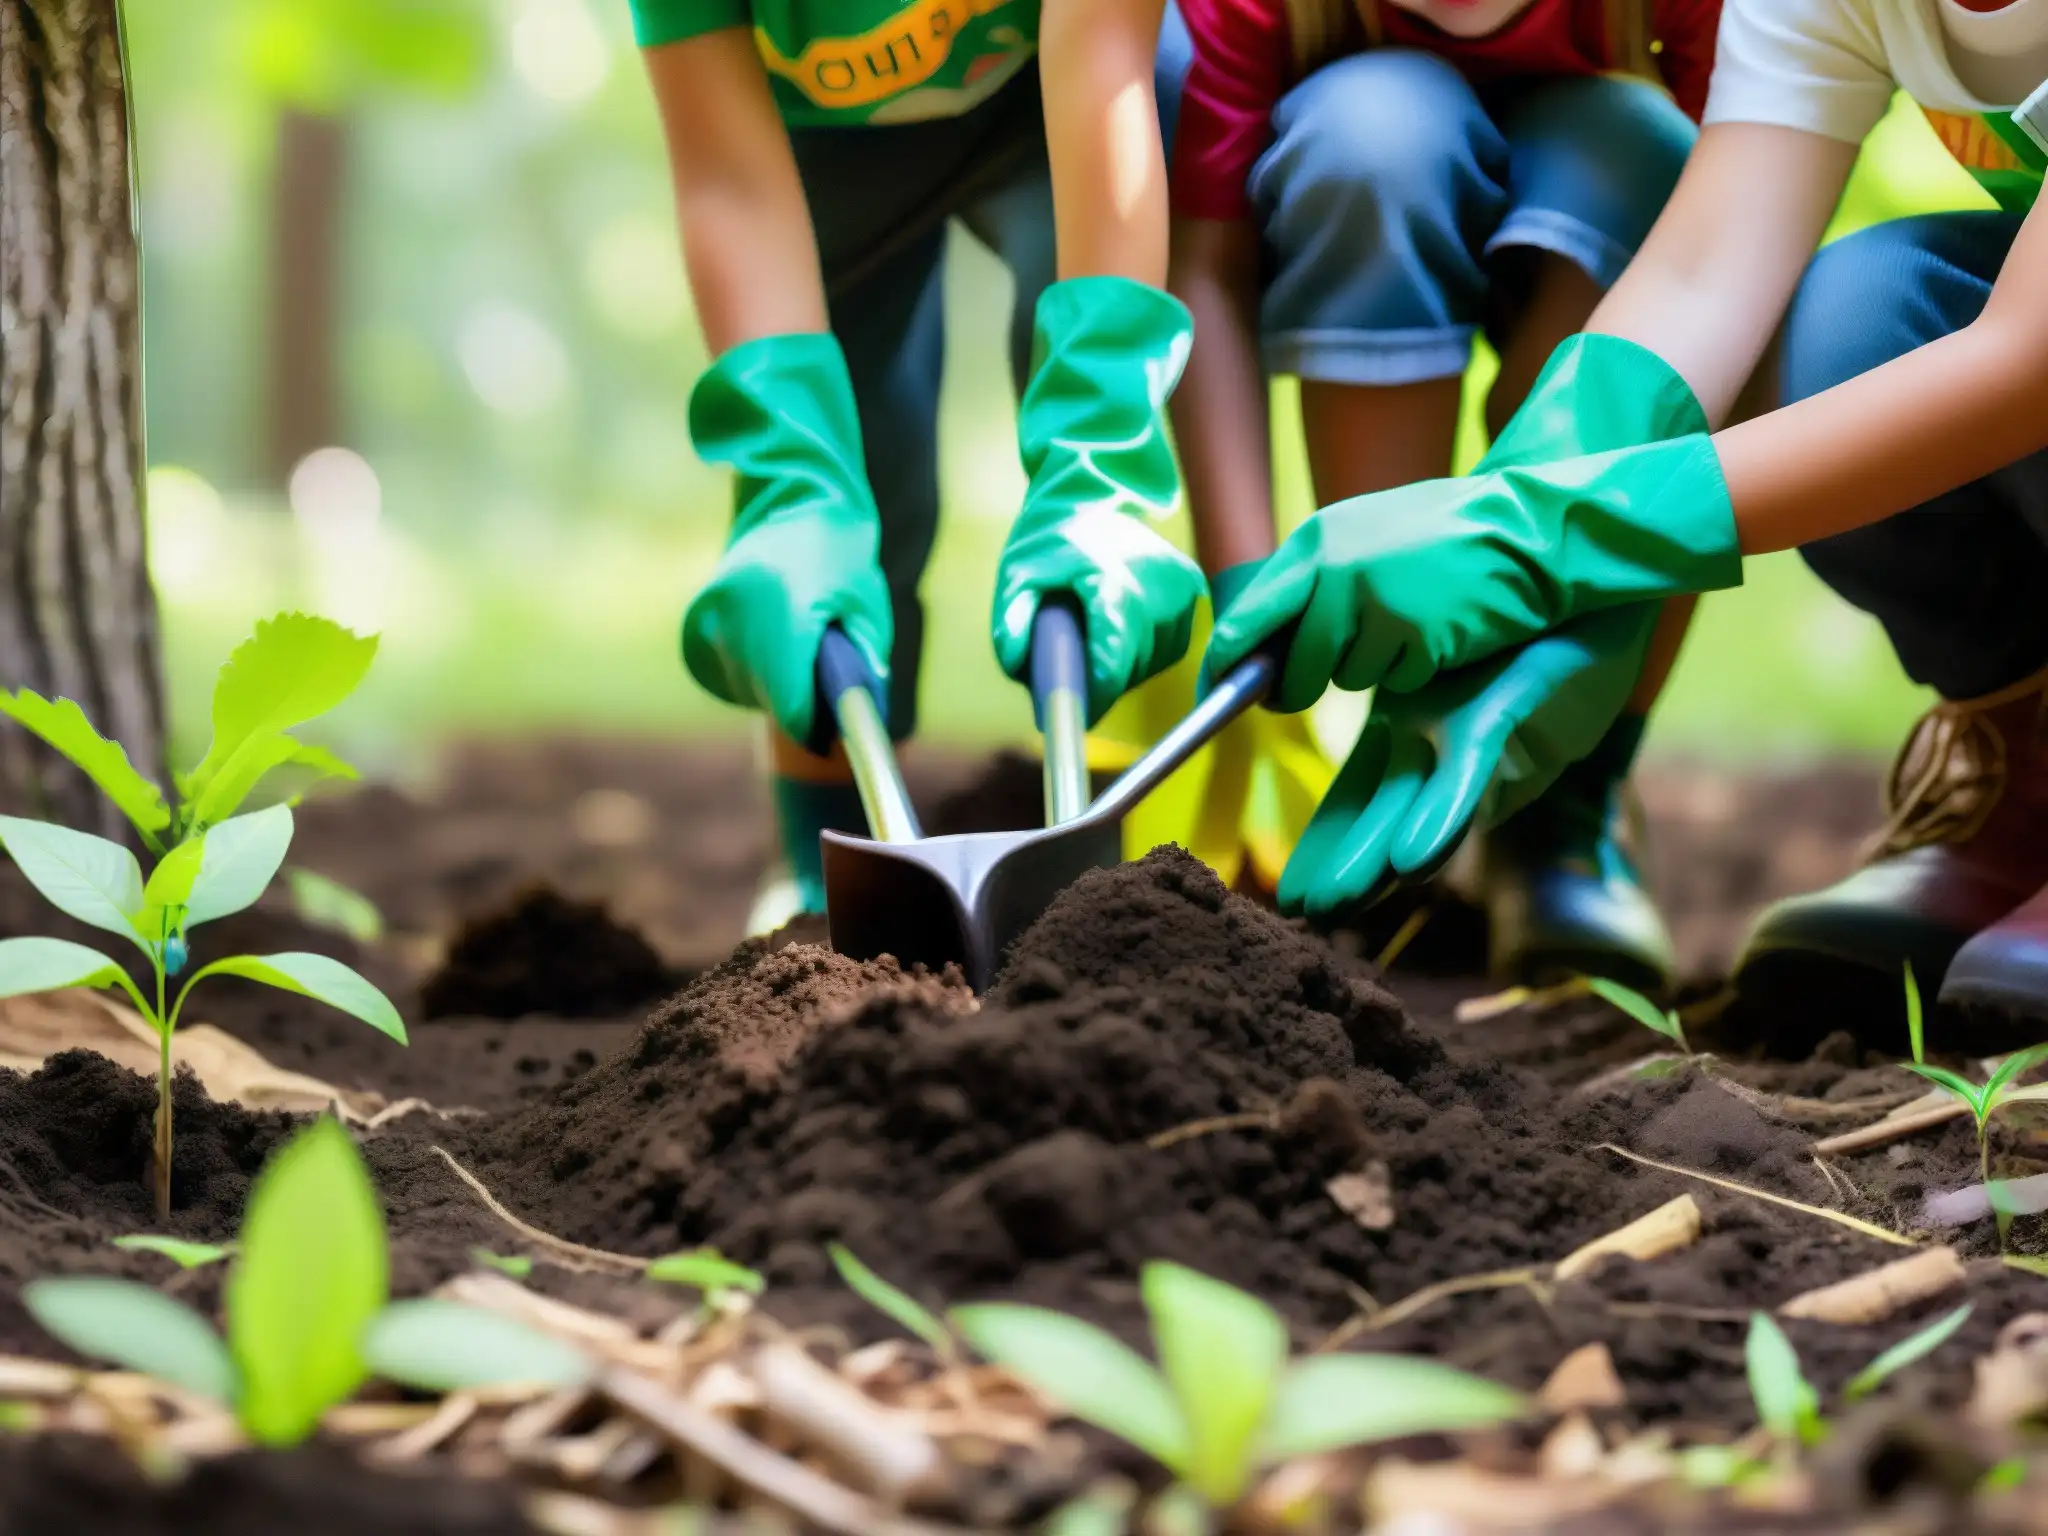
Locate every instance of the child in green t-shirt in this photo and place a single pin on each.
(819, 151)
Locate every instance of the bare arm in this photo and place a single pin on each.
(1712, 281)
(1220, 413)
(748, 245)
(1102, 136)
(1939, 417)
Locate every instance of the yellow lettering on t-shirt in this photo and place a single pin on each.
(1970, 139)
(899, 55)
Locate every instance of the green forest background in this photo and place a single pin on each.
(417, 353)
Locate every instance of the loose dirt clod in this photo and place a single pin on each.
(544, 953)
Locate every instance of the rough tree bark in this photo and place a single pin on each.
(77, 615)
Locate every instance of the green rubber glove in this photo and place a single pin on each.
(1106, 354)
(1394, 588)
(1471, 748)
(803, 550)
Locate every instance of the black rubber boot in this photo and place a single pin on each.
(1562, 883)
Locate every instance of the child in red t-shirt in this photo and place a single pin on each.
(1360, 187)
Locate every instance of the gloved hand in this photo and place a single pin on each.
(1471, 748)
(1092, 430)
(1394, 588)
(803, 550)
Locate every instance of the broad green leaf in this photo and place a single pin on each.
(242, 856)
(294, 668)
(315, 976)
(86, 877)
(442, 1346)
(1977, 1098)
(223, 795)
(1906, 1352)
(329, 904)
(136, 1327)
(169, 888)
(320, 765)
(1638, 1007)
(310, 1277)
(1328, 1402)
(62, 724)
(1916, 1021)
(891, 1302)
(517, 1265)
(1091, 1374)
(1222, 1352)
(181, 1253)
(2015, 1066)
(43, 965)
(1786, 1403)
(708, 1270)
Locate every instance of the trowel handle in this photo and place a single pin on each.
(855, 696)
(1059, 692)
(1240, 688)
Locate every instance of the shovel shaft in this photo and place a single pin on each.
(844, 677)
(1059, 688)
(1242, 687)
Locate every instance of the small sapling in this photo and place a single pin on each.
(1664, 1021)
(896, 1304)
(1225, 1402)
(211, 862)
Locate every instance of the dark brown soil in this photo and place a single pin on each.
(544, 953)
(83, 1488)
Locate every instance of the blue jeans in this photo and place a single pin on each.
(880, 201)
(1960, 584)
(1393, 185)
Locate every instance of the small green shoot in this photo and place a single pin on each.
(1994, 1094)
(211, 862)
(2004, 1477)
(1908, 1351)
(897, 1305)
(1786, 1403)
(1225, 1400)
(1916, 1018)
(707, 1270)
(518, 1266)
(1638, 1007)
(307, 1318)
(331, 905)
(181, 1253)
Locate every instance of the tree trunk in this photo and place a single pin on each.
(77, 615)
(312, 167)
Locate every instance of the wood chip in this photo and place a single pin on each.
(885, 1453)
(1458, 1496)
(22, 1377)
(2011, 1383)
(1928, 1112)
(1572, 1450)
(1879, 1293)
(1585, 1378)
(429, 1434)
(1366, 1196)
(1672, 1226)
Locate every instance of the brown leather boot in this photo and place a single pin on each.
(2006, 966)
(1964, 844)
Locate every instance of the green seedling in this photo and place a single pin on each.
(518, 1266)
(211, 862)
(1916, 1017)
(1664, 1021)
(707, 1270)
(1786, 1402)
(1224, 1402)
(897, 1305)
(1985, 1100)
(307, 1313)
(181, 1253)
(331, 905)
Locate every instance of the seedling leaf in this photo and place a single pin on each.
(2013, 1067)
(1222, 1352)
(1977, 1098)
(62, 724)
(442, 1346)
(710, 1272)
(292, 669)
(310, 1277)
(518, 1265)
(241, 857)
(137, 1327)
(316, 976)
(169, 888)
(895, 1304)
(329, 904)
(1916, 1022)
(1328, 1402)
(1091, 1374)
(86, 877)
(181, 1253)
(43, 965)
(1906, 1352)
(1786, 1403)
(1639, 1008)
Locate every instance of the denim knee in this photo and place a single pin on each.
(1383, 182)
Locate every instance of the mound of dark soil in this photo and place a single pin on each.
(544, 953)
(86, 1488)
